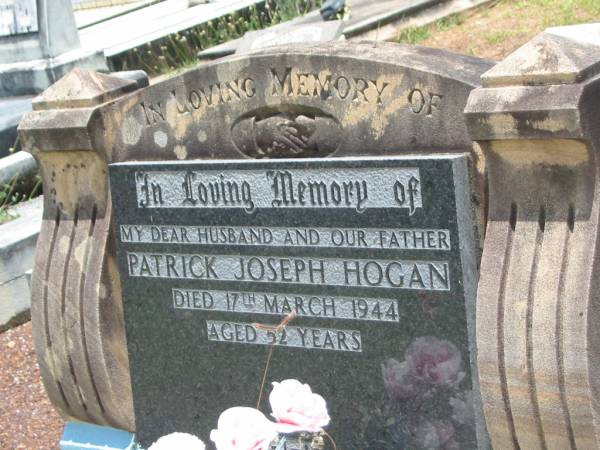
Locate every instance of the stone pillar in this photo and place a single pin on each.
(58, 30)
(538, 334)
(75, 307)
(30, 62)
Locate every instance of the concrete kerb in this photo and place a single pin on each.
(20, 164)
(420, 18)
(377, 28)
(375, 21)
(11, 111)
(18, 238)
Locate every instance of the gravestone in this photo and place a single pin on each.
(39, 43)
(537, 307)
(18, 17)
(285, 34)
(318, 104)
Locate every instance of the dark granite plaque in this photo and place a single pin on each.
(370, 260)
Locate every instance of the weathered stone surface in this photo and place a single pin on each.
(78, 325)
(537, 305)
(338, 99)
(559, 55)
(374, 282)
(82, 88)
(382, 96)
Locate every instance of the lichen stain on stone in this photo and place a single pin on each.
(180, 151)
(102, 291)
(377, 113)
(131, 131)
(161, 138)
(520, 306)
(172, 114)
(114, 117)
(501, 124)
(28, 142)
(549, 124)
(79, 253)
(180, 123)
(382, 117)
(479, 158)
(546, 152)
(80, 185)
(63, 244)
(539, 59)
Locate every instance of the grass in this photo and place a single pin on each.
(448, 22)
(180, 50)
(5, 216)
(414, 35)
(17, 190)
(496, 37)
(497, 28)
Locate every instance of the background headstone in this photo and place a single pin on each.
(88, 4)
(18, 17)
(30, 62)
(344, 99)
(291, 34)
(39, 43)
(537, 307)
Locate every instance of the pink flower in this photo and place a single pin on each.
(242, 428)
(435, 361)
(296, 408)
(432, 434)
(399, 381)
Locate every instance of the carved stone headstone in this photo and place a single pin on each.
(537, 307)
(75, 305)
(325, 101)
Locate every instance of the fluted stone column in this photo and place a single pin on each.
(537, 120)
(76, 309)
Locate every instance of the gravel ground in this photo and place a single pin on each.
(27, 419)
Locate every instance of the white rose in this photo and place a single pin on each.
(242, 428)
(179, 441)
(296, 408)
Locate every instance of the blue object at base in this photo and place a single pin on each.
(85, 436)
